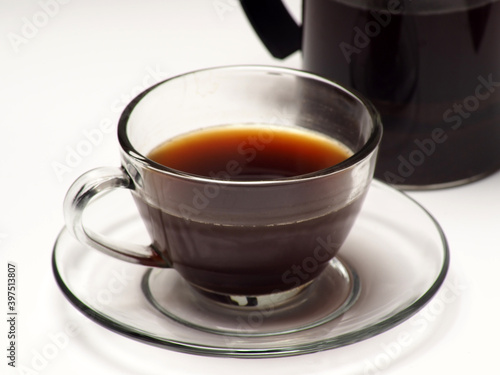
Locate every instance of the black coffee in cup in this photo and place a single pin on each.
(270, 254)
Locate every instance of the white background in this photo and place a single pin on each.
(67, 69)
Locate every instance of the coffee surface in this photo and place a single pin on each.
(250, 152)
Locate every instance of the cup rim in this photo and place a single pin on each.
(368, 148)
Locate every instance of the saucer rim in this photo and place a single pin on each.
(271, 351)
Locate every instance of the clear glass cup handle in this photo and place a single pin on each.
(90, 186)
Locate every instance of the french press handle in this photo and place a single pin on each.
(274, 25)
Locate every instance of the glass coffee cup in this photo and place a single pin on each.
(231, 236)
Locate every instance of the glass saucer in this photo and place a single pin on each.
(393, 262)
